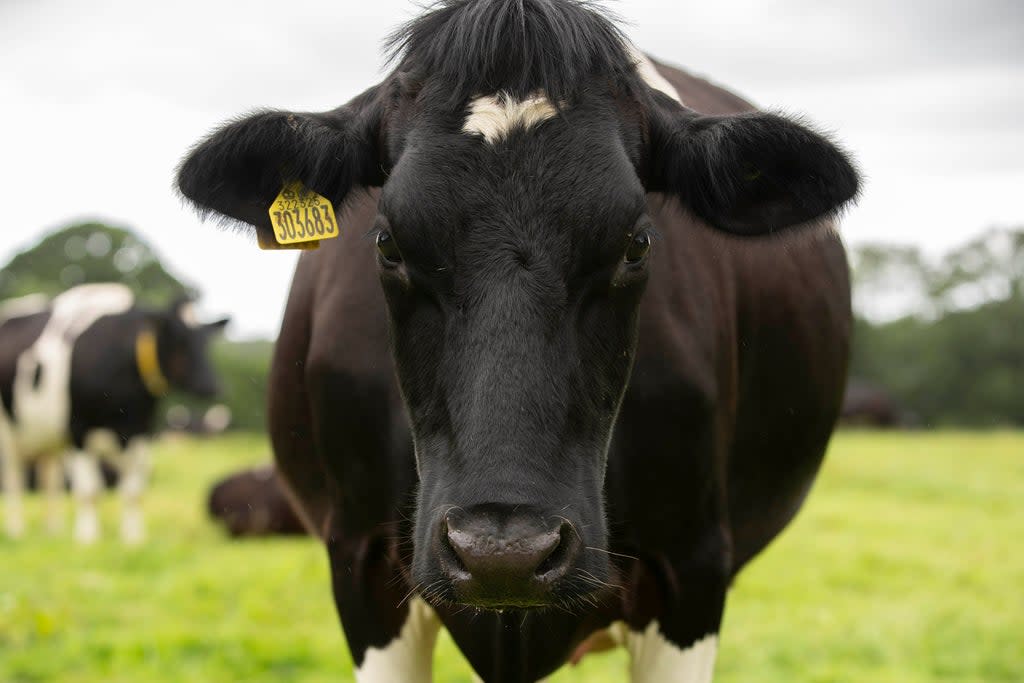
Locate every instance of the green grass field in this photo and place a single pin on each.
(906, 565)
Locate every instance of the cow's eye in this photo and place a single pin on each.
(388, 249)
(639, 247)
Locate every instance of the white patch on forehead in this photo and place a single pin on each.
(494, 116)
(654, 659)
(187, 313)
(645, 67)
(407, 658)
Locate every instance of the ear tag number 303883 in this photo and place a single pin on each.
(300, 218)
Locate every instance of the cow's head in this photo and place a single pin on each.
(516, 143)
(181, 343)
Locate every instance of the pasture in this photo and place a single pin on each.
(906, 565)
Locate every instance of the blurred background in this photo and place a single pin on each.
(102, 99)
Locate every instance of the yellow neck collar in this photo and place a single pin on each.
(149, 364)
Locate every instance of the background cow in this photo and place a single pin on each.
(605, 404)
(84, 372)
(867, 404)
(253, 502)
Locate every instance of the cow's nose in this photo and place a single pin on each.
(506, 560)
(489, 558)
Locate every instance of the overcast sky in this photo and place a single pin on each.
(98, 101)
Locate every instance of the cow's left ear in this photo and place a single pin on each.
(748, 174)
(238, 171)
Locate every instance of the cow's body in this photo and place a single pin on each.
(736, 386)
(588, 437)
(72, 382)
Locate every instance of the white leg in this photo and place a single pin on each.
(84, 468)
(409, 657)
(654, 659)
(51, 482)
(134, 474)
(14, 481)
(14, 485)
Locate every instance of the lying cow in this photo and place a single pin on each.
(612, 391)
(866, 404)
(253, 502)
(84, 372)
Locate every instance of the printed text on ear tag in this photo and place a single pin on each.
(301, 217)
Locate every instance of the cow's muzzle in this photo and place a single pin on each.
(499, 556)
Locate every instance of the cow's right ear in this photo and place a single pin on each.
(238, 170)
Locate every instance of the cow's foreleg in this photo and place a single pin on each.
(656, 658)
(51, 481)
(134, 474)
(680, 642)
(408, 657)
(14, 482)
(86, 483)
(390, 634)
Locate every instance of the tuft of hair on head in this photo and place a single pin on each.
(480, 47)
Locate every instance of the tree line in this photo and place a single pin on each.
(944, 336)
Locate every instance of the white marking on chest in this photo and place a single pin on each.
(42, 410)
(653, 659)
(495, 116)
(645, 67)
(407, 658)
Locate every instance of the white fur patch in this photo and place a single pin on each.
(86, 484)
(409, 657)
(653, 659)
(494, 116)
(645, 67)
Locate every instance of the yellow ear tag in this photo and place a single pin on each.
(300, 218)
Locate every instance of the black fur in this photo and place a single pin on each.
(477, 47)
(749, 173)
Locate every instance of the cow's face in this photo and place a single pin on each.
(513, 249)
(182, 345)
(512, 279)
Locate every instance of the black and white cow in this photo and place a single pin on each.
(80, 377)
(578, 375)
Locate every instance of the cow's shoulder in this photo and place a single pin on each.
(75, 310)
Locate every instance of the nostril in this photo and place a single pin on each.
(560, 556)
(450, 547)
